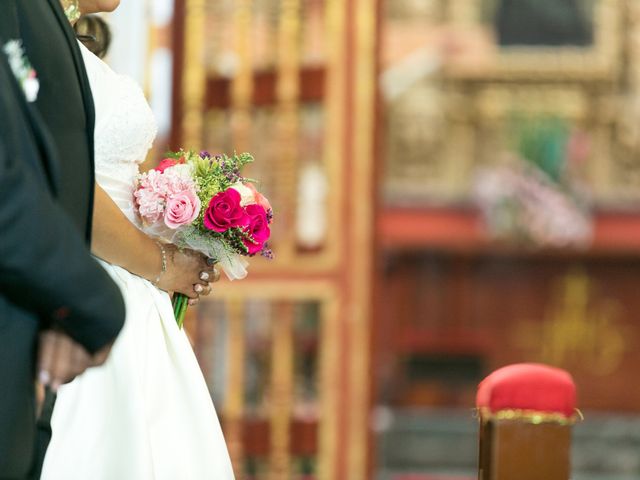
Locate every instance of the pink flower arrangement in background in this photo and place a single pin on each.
(535, 196)
(519, 203)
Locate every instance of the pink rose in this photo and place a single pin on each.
(257, 229)
(225, 212)
(182, 209)
(164, 164)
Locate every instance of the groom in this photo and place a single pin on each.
(47, 278)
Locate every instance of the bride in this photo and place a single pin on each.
(147, 413)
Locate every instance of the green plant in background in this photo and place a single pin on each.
(542, 142)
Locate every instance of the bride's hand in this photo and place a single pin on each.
(188, 272)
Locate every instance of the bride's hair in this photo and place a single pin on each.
(94, 33)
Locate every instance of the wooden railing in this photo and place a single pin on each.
(267, 358)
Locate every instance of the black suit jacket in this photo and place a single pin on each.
(46, 272)
(65, 101)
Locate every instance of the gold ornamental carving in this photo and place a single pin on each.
(593, 87)
(579, 328)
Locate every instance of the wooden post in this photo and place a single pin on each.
(526, 415)
(519, 450)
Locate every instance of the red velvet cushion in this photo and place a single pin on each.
(528, 386)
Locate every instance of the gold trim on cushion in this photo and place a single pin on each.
(534, 417)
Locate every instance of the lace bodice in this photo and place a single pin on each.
(125, 128)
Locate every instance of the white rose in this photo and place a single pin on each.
(246, 194)
(184, 171)
(31, 86)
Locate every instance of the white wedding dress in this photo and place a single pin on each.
(147, 413)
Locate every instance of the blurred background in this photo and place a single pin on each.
(456, 186)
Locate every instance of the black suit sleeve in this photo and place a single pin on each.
(45, 266)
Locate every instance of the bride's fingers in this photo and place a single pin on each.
(209, 277)
(191, 293)
(209, 265)
(193, 301)
(216, 275)
(206, 291)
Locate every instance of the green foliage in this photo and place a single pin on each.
(234, 238)
(543, 142)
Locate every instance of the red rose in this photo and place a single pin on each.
(257, 228)
(224, 212)
(164, 164)
(168, 162)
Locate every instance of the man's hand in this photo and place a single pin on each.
(61, 359)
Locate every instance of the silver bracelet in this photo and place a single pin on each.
(163, 252)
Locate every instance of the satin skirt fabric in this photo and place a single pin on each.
(147, 413)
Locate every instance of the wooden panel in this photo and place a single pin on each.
(522, 451)
(312, 85)
(460, 230)
(471, 314)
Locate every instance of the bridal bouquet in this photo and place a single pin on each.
(199, 201)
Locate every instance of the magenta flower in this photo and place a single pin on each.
(225, 212)
(258, 228)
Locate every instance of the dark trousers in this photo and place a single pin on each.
(43, 434)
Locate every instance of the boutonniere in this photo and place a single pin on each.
(71, 10)
(22, 69)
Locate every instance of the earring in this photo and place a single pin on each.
(71, 10)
